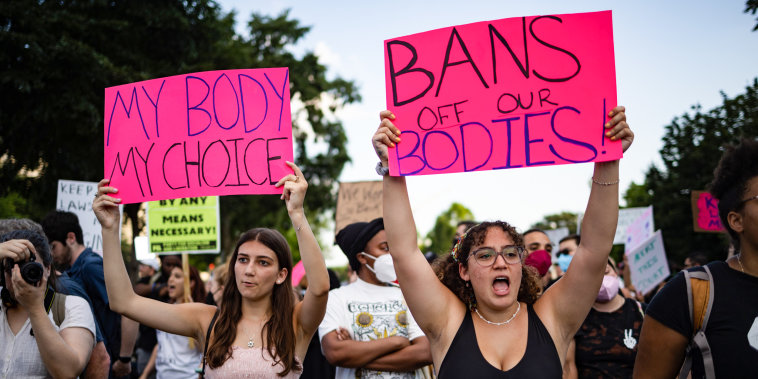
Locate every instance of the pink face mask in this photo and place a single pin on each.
(608, 290)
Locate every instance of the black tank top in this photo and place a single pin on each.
(465, 360)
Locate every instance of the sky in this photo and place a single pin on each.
(670, 55)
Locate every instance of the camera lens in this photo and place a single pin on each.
(31, 272)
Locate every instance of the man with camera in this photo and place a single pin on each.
(86, 268)
(41, 336)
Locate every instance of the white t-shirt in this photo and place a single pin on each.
(369, 312)
(176, 360)
(19, 355)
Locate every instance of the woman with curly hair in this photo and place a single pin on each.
(473, 317)
(260, 329)
(727, 345)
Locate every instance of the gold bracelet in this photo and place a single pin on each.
(604, 183)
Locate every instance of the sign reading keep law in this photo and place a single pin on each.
(516, 92)
(207, 133)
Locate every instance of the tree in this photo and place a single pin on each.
(439, 240)
(558, 220)
(692, 146)
(57, 57)
(751, 7)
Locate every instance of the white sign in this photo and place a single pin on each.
(556, 235)
(626, 217)
(76, 197)
(648, 264)
(639, 230)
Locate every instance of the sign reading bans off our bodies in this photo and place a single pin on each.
(509, 93)
(189, 225)
(208, 133)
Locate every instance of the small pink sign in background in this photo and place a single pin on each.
(705, 213)
(207, 133)
(516, 92)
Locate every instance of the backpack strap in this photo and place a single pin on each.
(59, 308)
(207, 339)
(56, 302)
(699, 290)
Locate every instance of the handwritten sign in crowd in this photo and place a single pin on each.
(188, 225)
(639, 230)
(648, 264)
(705, 213)
(76, 197)
(358, 202)
(207, 133)
(515, 92)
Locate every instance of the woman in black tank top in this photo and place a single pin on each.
(471, 308)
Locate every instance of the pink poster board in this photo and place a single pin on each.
(207, 133)
(515, 92)
(705, 213)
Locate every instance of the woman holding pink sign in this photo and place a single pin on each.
(259, 329)
(482, 317)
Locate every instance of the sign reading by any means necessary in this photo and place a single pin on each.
(515, 92)
(207, 133)
(188, 225)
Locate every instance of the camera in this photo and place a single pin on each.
(31, 271)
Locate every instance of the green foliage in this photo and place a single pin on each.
(558, 220)
(11, 204)
(751, 7)
(692, 147)
(57, 58)
(637, 195)
(439, 240)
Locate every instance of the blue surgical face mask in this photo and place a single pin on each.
(563, 261)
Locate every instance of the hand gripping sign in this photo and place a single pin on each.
(508, 93)
(207, 133)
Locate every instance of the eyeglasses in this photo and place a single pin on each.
(743, 202)
(486, 256)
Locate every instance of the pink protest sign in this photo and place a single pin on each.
(202, 134)
(705, 213)
(516, 92)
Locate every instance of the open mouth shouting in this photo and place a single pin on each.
(501, 285)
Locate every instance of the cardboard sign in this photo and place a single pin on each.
(626, 217)
(648, 263)
(76, 197)
(188, 225)
(358, 202)
(639, 230)
(208, 133)
(516, 92)
(705, 213)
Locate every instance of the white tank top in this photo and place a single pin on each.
(176, 360)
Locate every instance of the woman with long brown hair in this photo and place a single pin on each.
(472, 314)
(260, 328)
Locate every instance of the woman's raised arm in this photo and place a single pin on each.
(183, 319)
(310, 311)
(567, 303)
(430, 302)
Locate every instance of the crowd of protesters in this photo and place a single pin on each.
(495, 306)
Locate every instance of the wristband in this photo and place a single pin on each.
(125, 359)
(381, 170)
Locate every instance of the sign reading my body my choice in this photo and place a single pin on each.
(515, 92)
(207, 133)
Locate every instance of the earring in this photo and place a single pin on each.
(467, 284)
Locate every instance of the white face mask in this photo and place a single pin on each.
(383, 268)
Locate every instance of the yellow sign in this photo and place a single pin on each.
(189, 225)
